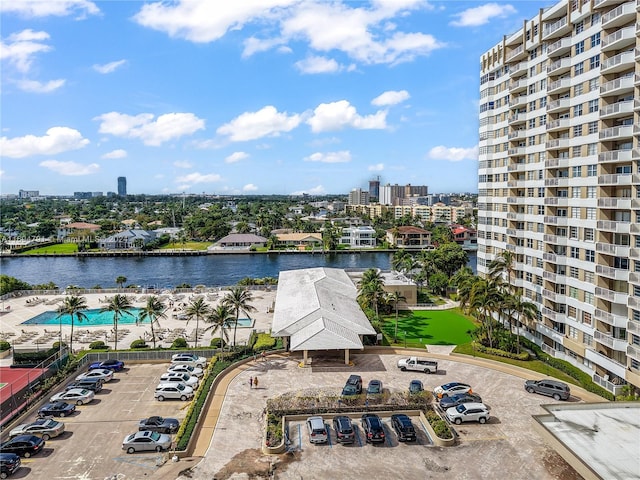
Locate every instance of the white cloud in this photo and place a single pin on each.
(249, 187)
(330, 157)
(109, 67)
(196, 177)
(21, 48)
(236, 157)
(182, 164)
(313, 64)
(152, 132)
(254, 45)
(119, 153)
(453, 154)
(473, 17)
(266, 122)
(318, 190)
(56, 140)
(35, 86)
(390, 97)
(45, 8)
(2, 173)
(341, 114)
(72, 169)
(378, 167)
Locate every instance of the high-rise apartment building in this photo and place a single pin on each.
(559, 184)
(122, 186)
(374, 189)
(357, 196)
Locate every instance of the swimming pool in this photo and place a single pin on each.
(94, 317)
(242, 323)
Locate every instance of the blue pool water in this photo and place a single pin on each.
(94, 317)
(242, 322)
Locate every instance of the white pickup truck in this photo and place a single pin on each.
(418, 364)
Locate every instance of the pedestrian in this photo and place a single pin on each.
(250, 382)
(255, 382)
(264, 357)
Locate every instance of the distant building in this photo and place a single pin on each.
(239, 241)
(122, 186)
(394, 194)
(374, 189)
(80, 230)
(133, 239)
(28, 193)
(362, 236)
(357, 196)
(467, 238)
(409, 237)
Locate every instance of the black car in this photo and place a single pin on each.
(93, 384)
(416, 386)
(354, 384)
(159, 424)
(23, 445)
(375, 388)
(344, 429)
(404, 428)
(373, 428)
(459, 398)
(9, 463)
(56, 409)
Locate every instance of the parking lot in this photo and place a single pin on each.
(91, 446)
(506, 446)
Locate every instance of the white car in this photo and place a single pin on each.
(184, 368)
(79, 396)
(101, 373)
(451, 388)
(188, 380)
(173, 390)
(188, 359)
(468, 412)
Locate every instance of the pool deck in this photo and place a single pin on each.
(16, 311)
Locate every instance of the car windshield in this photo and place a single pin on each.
(461, 408)
(180, 386)
(155, 436)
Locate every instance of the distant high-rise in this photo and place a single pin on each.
(374, 189)
(122, 186)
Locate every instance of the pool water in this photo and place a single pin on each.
(94, 317)
(242, 322)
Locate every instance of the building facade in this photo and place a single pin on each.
(122, 186)
(357, 196)
(559, 179)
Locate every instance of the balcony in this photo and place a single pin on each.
(559, 48)
(617, 86)
(618, 63)
(552, 277)
(558, 86)
(633, 351)
(614, 155)
(619, 109)
(605, 3)
(557, 144)
(605, 362)
(617, 344)
(550, 314)
(518, 70)
(634, 277)
(558, 105)
(607, 385)
(611, 296)
(556, 29)
(614, 273)
(615, 179)
(611, 249)
(633, 302)
(619, 321)
(616, 133)
(618, 40)
(549, 295)
(516, 167)
(633, 327)
(549, 257)
(517, 134)
(611, 226)
(618, 16)
(556, 201)
(635, 153)
(634, 253)
(517, 118)
(518, 53)
(517, 85)
(615, 203)
(636, 102)
(561, 124)
(559, 66)
(519, 101)
(549, 332)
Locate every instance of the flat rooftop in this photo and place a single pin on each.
(603, 437)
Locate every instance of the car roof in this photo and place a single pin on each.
(449, 385)
(474, 405)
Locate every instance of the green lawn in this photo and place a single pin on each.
(58, 248)
(429, 327)
(186, 246)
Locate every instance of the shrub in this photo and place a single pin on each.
(98, 345)
(440, 427)
(217, 343)
(264, 342)
(139, 343)
(501, 353)
(4, 345)
(179, 343)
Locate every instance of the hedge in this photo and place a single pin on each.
(30, 358)
(264, 342)
(98, 345)
(439, 425)
(139, 343)
(4, 345)
(217, 343)
(501, 353)
(179, 343)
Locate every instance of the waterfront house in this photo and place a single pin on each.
(358, 237)
(78, 230)
(409, 237)
(467, 238)
(133, 239)
(300, 240)
(239, 241)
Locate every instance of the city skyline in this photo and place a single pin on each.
(293, 97)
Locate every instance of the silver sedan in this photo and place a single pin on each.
(146, 441)
(44, 428)
(79, 396)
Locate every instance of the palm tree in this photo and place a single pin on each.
(485, 299)
(395, 298)
(527, 312)
(371, 288)
(398, 261)
(73, 305)
(153, 310)
(219, 319)
(119, 305)
(197, 309)
(238, 298)
(503, 263)
(121, 280)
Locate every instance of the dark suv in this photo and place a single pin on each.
(373, 428)
(344, 429)
(353, 386)
(93, 384)
(9, 463)
(552, 388)
(404, 428)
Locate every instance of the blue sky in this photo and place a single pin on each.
(243, 97)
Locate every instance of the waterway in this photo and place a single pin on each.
(210, 270)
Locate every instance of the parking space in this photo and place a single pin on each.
(91, 446)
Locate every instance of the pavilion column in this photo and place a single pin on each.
(346, 356)
(304, 358)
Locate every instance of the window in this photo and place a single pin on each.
(577, 132)
(575, 212)
(588, 298)
(574, 252)
(595, 39)
(621, 262)
(573, 232)
(578, 69)
(571, 312)
(593, 105)
(577, 90)
(543, 120)
(592, 170)
(579, 47)
(591, 192)
(576, 171)
(573, 292)
(577, 110)
(574, 272)
(588, 277)
(594, 62)
(591, 213)
(543, 102)
(575, 192)
(593, 127)
(586, 338)
(532, 123)
(579, 26)
(590, 255)
(592, 149)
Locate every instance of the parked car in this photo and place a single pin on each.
(184, 368)
(191, 381)
(173, 390)
(416, 386)
(101, 373)
(56, 409)
(344, 429)
(9, 463)
(552, 388)
(45, 428)
(373, 428)
(94, 384)
(317, 430)
(146, 441)
(354, 384)
(468, 412)
(374, 388)
(189, 359)
(79, 396)
(23, 445)
(458, 398)
(418, 364)
(111, 364)
(403, 426)
(451, 388)
(159, 424)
